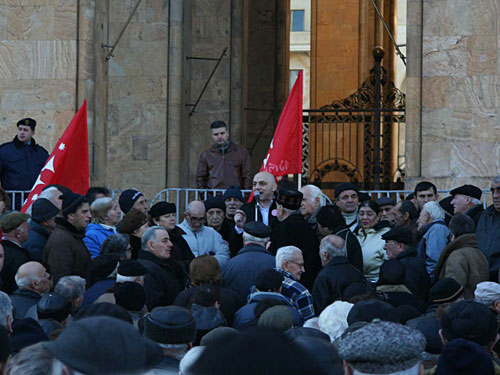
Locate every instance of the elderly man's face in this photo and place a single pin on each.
(294, 266)
(161, 245)
(495, 192)
(423, 219)
(460, 203)
(309, 204)
(397, 217)
(215, 217)
(385, 212)
(347, 201)
(141, 204)
(195, 218)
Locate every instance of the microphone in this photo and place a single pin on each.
(256, 195)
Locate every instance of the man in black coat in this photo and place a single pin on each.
(293, 230)
(163, 282)
(264, 189)
(336, 275)
(15, 233)
(398, 243)
(467, 200)
(33, 280)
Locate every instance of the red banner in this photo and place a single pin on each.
(285, 151)
(68, 164)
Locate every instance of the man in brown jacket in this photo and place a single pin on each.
(225, 163)
(65, 252)
(461, 259)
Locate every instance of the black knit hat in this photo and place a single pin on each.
(53, 306)
(170, 325)
(233, 191)
(43, 209)
(215, 202)
(469, 320)
(269, 280)
(463, 357)
(71, 201)
(131, 267)
(445, 290)
(127, 199)
(345, 186)
(130, 296)
(162, 208)
(103, 345)
(27, 122)
(257, 229)
(366, 311)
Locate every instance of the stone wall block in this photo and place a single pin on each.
(474, 158)
(445, 56)
(435, 92)
(31, 22)
(483, 55)
(438, 159)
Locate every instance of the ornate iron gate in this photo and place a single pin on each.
(360, 138)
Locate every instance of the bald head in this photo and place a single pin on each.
(33, 276)
(195, 215)
(265, 184)
(331, 246)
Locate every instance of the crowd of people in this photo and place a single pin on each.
(282, 284)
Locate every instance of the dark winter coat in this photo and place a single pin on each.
(22, 300)
(463, 261)
(417, 279)
(14, 257)
(65, 252)
(354, 253)
(37, 238)
(180, 249)
(161, 284)
(488, 238)
(96, 290)
(475, 213)
(240, 272)
(21, 164)
(331, 282)
(399, 295)
(233, 239)
(295, 231)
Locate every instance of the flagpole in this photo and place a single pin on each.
(300, 181)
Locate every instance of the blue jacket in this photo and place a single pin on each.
(436, 236)
(37, 238)
(240, 272)
(95, 235)
(21, 164)
(245, 317)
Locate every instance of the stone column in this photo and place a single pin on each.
(175, 95)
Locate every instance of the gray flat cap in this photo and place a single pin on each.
(382, 348)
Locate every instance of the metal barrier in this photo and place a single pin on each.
(182, 196)
(17, 196)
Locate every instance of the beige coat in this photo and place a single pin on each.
(372, 246)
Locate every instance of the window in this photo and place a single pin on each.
(297, 20)
(293, 76)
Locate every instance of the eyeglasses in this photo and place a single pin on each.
(297, 263)
(197, 219)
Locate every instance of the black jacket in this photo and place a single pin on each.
(160, 284)
(22, 300)
(180, 251)
(37, 238)
(488, 237)
(417, 279)
(233, 239)
(14, 257)
(331, 282)
(475, 213)
(249, 210)
(399, 295)
(295, 231)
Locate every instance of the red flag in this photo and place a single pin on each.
(285, 151)
(68, 164)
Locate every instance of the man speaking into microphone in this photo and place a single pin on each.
(263, 203)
